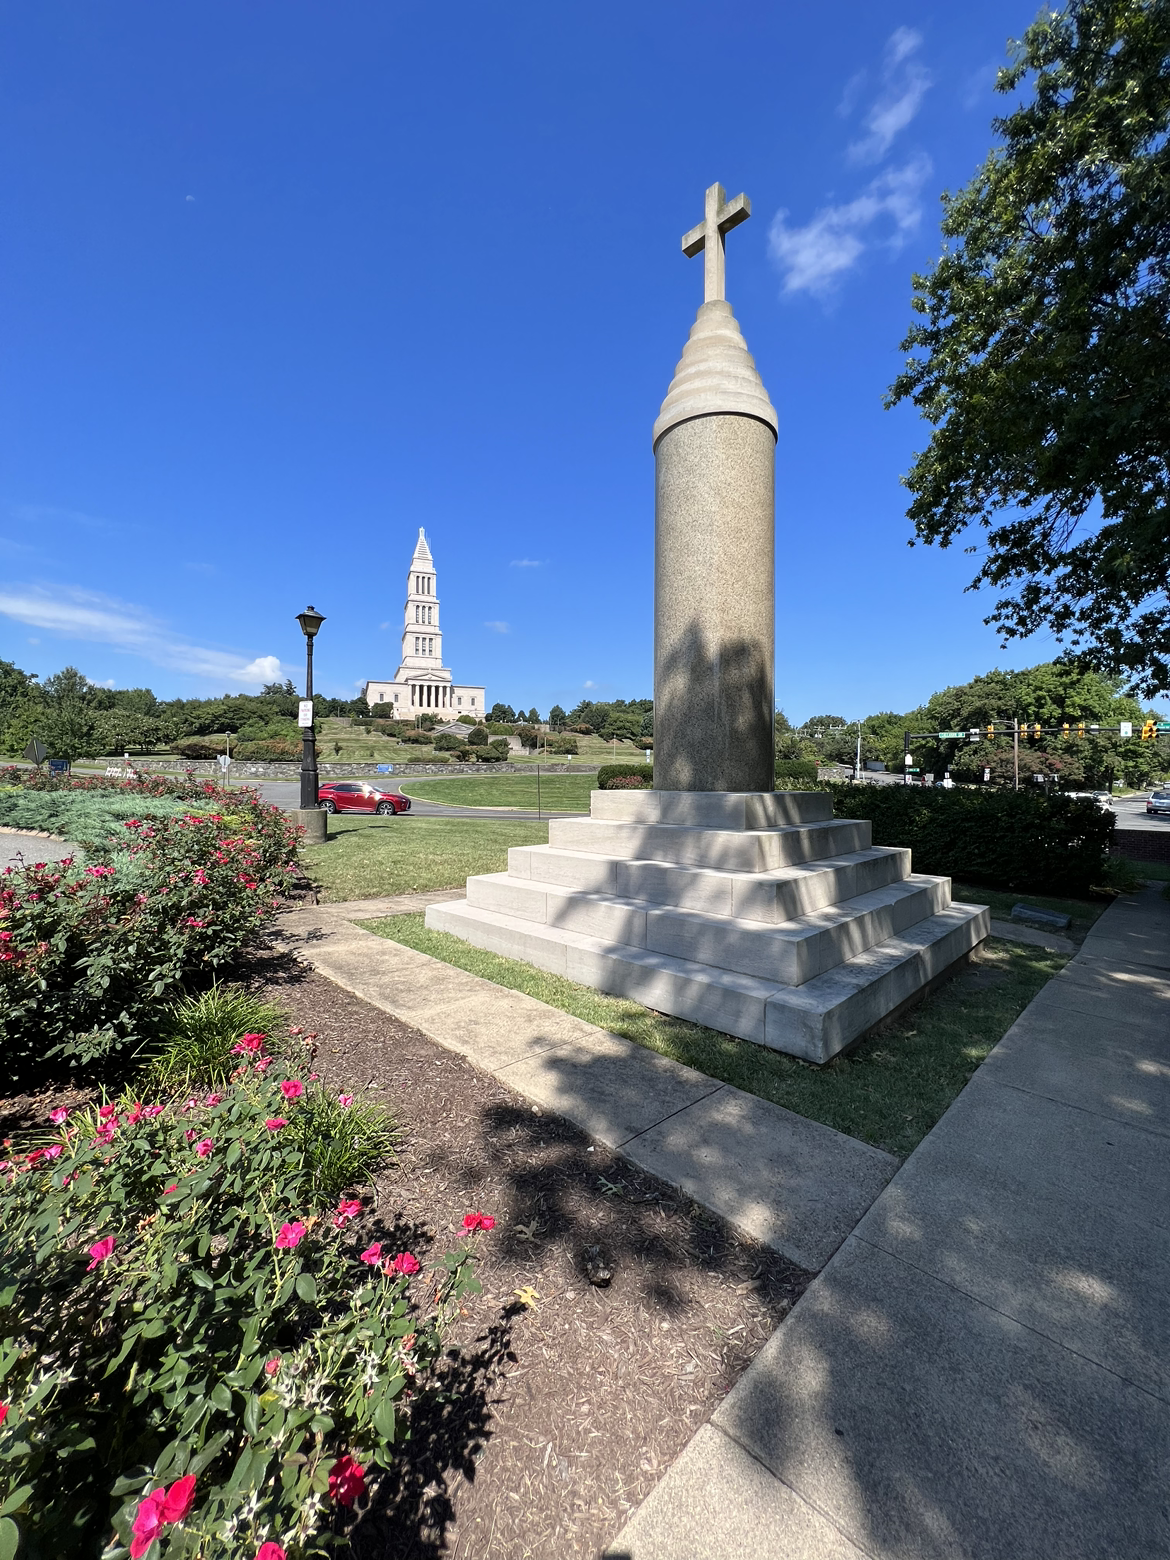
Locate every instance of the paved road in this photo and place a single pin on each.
(1130, 813)
(22, 850)
(287, 794)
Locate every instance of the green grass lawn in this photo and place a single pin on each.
(888, 1091)
(558, 793)
(1083, 911)
(366, 857)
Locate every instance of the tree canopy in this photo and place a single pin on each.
(1043, 355)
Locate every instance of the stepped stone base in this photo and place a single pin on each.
(757, 914)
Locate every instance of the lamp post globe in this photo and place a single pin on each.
(310, 620)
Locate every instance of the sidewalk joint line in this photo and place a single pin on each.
(995, 1310)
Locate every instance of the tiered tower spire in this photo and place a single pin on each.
(422, 638)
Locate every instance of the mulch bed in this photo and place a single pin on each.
(562, 1415)
(561, 1407)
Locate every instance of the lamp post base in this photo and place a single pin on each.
(315, 823)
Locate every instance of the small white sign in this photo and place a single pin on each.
(1125, 729)
(224, 762)
(987, 774)
(928, 779)
(305, 712)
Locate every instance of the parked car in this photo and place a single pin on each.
(339, 796)
(1159, 802)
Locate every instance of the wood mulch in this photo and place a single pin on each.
(560, 1415)
(563, 1400)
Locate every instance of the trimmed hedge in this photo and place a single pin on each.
(795, 769)
(610, 772)
(1008, 839)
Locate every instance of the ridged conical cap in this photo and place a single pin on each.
(422, 553)
(716, 374)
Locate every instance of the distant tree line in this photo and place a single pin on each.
(76, 718)
(1052, 694)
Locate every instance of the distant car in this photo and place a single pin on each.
(1159, 802)
(340, 796)
(1103, 798)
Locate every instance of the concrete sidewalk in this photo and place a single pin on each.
(792, 1183)
(982, 1372)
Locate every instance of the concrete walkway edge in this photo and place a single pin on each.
(982, 1371)
(789, 1182)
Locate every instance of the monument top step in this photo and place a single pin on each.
(713, 809)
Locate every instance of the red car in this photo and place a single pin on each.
(338, 796)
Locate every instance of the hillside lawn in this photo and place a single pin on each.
(558, 793)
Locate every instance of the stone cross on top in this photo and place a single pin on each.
(720, 217)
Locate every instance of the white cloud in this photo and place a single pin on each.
(34, 641)
(525, 563)
(589, 683)
(904, 84)
(813, 257)
(383, 625)
(82, 614)
(499, 628)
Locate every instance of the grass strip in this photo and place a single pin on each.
(368, 857)
(889, 1090)
(1083, 911)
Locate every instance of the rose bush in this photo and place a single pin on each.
(91, 954)
(204, 1353)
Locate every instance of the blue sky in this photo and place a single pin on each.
(286, 281)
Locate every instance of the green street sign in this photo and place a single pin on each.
(1164, 725)
(911, 771)
(942, 735)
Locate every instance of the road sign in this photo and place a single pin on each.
(1164, 725)
(305, 712)
(928, 779)
(224, 761)
(58, 766)
(36, 752)
(945, 735)
(911, 769)
(1125, 729)
(383, 769)
(987, 774)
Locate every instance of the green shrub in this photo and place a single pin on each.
(566, 745)
(478, 736)
(271, 748)
(608, 773)
(795, 769)
(446, 743)
(199, 1033)
(422, 738)
(91, 956)
(196, 747)
(1010, 839)
(181, 1300)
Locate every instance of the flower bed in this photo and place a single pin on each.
(205, 1352)
(89, 955)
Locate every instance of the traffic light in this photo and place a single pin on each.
(1064, 729)
(1081, 729)
(1149, 731)
(1036, 729)
(991, 731)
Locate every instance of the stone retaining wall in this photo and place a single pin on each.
(291, 771)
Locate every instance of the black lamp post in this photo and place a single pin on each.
(310, 620)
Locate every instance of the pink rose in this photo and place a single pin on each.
(290, 1235)
(347, 1208)
(478, 1221)
(346, 1480)
(274, 1123)
(100, 1251)
(406, 1264)
(59, 1115)
(372, 1255)
(345, 1101)
(270, 1551)
(271, 1367)
(292, 1089)
(204, 1147)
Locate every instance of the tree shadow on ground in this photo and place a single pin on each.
(413, 1507)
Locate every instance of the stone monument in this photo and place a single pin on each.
(714, 529)
(714, 897)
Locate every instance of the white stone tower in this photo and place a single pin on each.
(422, 684)
(422, 638)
